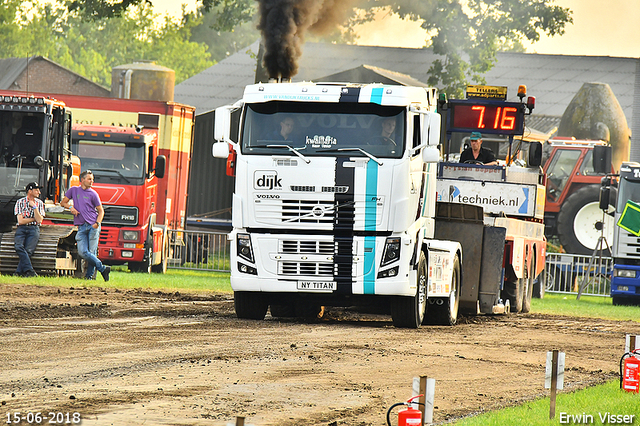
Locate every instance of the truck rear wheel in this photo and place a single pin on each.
(528, 286)
(579, 220)
(512, 292)
(409, 311)
(444, 311)
(250, 305)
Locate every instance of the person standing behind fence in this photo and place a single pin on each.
(88, 213)
(29, 212)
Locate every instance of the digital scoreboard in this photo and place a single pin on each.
(486, 116)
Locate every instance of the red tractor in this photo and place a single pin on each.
(572, 209)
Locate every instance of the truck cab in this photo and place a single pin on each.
(334, 202)
(35, 147)
(128, 170)
(625, 282)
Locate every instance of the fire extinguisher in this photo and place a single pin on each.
(408, 417)
(630, 371)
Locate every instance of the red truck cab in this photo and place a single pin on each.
(129, 173)
(572, 209)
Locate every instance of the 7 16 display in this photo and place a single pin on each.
(486, 116)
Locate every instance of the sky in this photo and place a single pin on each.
(600, 28)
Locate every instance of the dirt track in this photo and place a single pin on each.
(134, 357)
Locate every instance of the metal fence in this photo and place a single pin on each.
(565, 273)
(199, 250)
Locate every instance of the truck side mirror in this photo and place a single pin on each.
(602, 159)
(161, 164)
(535, 154)
(431, 129)
(430, 154)
(222, 124)
(220, 150)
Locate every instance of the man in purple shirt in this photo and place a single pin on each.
(88, 213)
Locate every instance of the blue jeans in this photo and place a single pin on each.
(25, 241)
(87, 239)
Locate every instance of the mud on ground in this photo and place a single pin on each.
(137, 357)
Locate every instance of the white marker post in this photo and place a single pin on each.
(631, 343)
(554, 377)
(427, 388)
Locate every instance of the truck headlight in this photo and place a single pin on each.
(391, 251)
(245, 250)
(131, 235)
(624, 273)
(623, 288)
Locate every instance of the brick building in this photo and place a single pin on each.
(39, 74)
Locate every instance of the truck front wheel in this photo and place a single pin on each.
(409, 311)
(250, 305)
(145, 265)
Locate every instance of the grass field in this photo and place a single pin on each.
(174, 280)
(596, 401)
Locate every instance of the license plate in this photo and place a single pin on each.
(316, 285)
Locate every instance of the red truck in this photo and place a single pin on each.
(141, 204)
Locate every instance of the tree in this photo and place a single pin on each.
(220, 40)
(466, 33)
(93, 47)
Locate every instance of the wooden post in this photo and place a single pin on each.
(423, 398)
(239, 421)
(554, 383)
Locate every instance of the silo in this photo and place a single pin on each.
(595, 105)
(143, 80)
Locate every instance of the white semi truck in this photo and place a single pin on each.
(335, 202)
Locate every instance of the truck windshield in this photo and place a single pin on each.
(321, 129)
(125, 159)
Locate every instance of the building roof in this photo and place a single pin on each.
(552, 79)
(12, 68)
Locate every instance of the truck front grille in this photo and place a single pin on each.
(318, 269)
(307, 247)
(337, 257)
(302, 211)
(117, 215)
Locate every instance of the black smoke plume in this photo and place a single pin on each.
(284, 23)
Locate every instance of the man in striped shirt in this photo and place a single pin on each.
(29, 211)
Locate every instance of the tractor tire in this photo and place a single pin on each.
(577, 221)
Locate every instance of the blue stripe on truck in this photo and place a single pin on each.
(370, 220)
(376, 95)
